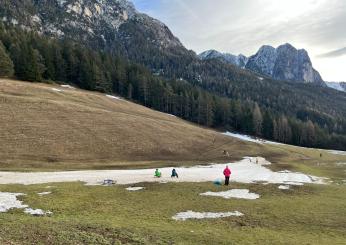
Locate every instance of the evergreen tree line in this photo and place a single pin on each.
(31, 57)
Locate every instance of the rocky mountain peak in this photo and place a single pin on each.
(94, 21)
(238, 60)
(284, 63)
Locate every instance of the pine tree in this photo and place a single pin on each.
(6, 64)
(257, 120)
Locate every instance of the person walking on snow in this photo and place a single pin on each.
(227, 172)
(174, 173)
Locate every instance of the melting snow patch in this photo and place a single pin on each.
(9, 201)
(36, 212)
(67, 86)
(284, 187)
(341, 163)
(113, 97)
(57, 90)
(134, 188)
(250, 139)
(244, 171)
(44, 193)
(196, 215)
(343, 153)
(235, 193)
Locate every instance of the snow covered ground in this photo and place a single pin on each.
(235, 193)
(284, 187)
(56, 90)
(67, 86)
(134, 188)
(250, 138)
(9, 201)
(262, 141)
(207, 215)
(244, 171)
(44, 193)
(113, 97)
(343, 153)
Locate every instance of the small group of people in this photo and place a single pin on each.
(226, 172)
(174, 174)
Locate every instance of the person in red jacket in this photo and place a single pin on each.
(227, 172)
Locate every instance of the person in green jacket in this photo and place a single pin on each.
(157, 173)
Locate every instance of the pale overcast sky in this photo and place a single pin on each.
(242, 26)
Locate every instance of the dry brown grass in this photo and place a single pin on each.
(43, 128)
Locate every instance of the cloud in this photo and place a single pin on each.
(334, 53)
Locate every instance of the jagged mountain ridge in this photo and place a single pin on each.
(238, 60)
(282, 63)
(96, 21)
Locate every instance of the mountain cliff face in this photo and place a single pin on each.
(99, 23)
(282, 63)
(239, 60)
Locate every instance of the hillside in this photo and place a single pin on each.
(46, 126)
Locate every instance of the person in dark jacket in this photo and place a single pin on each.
(227, 173)
(174, 174)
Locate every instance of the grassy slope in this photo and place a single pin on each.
(42, 128)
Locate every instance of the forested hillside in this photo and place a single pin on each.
(288, 112)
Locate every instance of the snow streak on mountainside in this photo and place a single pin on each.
(341, 86)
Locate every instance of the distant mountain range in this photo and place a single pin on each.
(282, 63)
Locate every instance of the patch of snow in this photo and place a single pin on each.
(57, 90)
(87, 12)
(134, 188)
(260, 78)
(250, 138)
(37, 212)
(44, 193)
(9, 201)
(113, 97)
(67, 86)
(207, 215)
(14, 22)
(235, 193)
(243, 171)
(76, 8)
(262, 141)
(343, 153)
(294, 183)
(97, 8)
(36, 19)
(284, 187)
